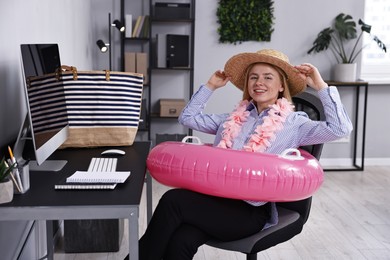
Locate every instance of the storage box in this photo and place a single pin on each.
(98, 235)
(172, 11)
(130, 62)
(137, 62)
(178, 51)
(142, 65)
(171, 107)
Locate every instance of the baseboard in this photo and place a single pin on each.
(345, 162)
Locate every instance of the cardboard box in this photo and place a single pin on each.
(171, 107)
(130, 62)
(137, 62)
(142, 65)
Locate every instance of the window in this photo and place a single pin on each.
(375, 62)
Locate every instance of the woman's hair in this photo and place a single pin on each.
(286, 90)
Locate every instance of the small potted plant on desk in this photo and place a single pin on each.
(336, 37)
(6, 185)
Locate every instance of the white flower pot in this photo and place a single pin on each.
(344, 72)
(6, 191)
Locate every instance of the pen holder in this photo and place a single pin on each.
(24, 174)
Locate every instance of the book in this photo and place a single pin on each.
(161, 57)
(140, 26)
(98, 177)
(145, 28)
(136, 27)
(85, 180)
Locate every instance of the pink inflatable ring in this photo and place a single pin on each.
(236, 174)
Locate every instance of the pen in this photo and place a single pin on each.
(16, 168)
(13, 178)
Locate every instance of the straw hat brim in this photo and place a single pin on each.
(237, 65)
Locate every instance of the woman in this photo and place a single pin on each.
(264, 121)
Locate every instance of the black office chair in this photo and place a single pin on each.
(292, 215)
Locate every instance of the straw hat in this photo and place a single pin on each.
(237, 65)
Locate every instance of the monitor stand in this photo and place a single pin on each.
(47, 166)
(23, 136)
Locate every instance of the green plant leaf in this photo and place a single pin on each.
(365, 27)
(245, 20)
(322, 41)
(345, 27)
(380, 43)
(343, 30)
(5, 170)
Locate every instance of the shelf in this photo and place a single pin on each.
(163, 26)
(157, 115)
(160, 20)
(141, 39)
(174, 68)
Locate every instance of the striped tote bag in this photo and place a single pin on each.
(102, 108)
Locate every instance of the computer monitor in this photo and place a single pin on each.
(46, 124)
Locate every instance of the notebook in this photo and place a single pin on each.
(63, 185)
(98, 177)
(101, 174)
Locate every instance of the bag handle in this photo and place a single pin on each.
(107, 72)
(65, 68)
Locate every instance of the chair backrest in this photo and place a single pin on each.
(312, 105)
(293, 215)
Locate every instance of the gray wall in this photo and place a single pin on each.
(77, 29)
(296, 25)
(72, 24)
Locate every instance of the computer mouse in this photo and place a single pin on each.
(113, 152)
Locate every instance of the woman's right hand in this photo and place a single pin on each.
(217, 80)
(311, 75)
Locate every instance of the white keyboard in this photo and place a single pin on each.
(103, 165)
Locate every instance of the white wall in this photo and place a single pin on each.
(64, 22)
(70, 23)
(296, 25)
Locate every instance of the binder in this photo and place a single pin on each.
(177, 50)
(161, 42)
(129, 25)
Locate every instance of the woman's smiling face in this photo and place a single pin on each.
(264, 85)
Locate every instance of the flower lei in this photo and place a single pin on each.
(264, 134)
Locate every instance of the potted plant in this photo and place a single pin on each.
(6, 185)
(336, 37)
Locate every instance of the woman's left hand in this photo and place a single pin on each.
(311, 75)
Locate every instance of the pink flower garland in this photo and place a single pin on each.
(264, 134)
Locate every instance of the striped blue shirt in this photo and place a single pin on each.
(298, 130)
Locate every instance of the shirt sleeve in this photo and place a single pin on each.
(336, 125)
(192, 115)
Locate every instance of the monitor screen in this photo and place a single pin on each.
(46, 121)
